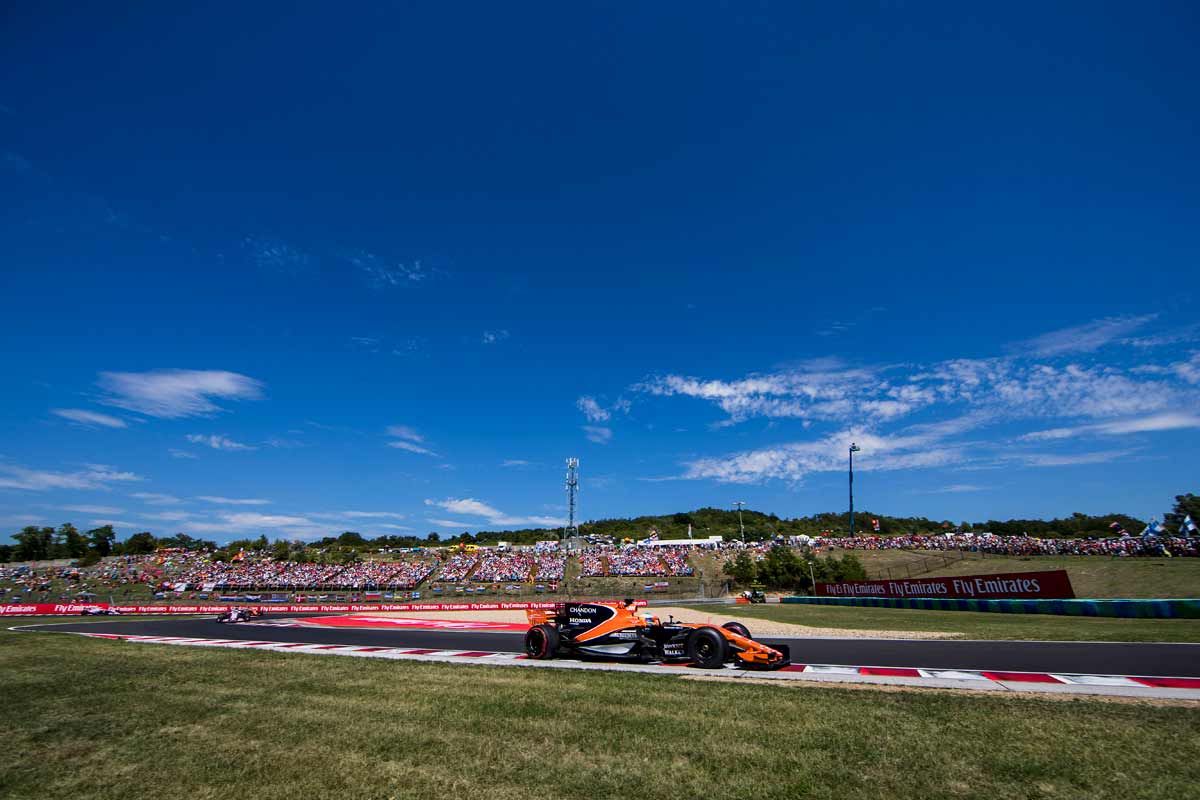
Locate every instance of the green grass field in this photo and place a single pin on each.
(100, 719)
(974, 625)
(1091, 576)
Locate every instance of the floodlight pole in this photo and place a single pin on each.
(741, 524)
(853, 449)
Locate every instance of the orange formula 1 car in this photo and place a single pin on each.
(615, 631)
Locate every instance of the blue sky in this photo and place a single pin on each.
(291, 269)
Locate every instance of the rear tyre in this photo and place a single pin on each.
(738, 628)
(706, 648)
(541, 641)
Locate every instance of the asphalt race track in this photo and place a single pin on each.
(1116, 658)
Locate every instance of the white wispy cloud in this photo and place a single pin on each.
(818, 392)
(381, 273)
(156, 499)
(1073, 459)
(410, 346)
(169, 516)
(218, 442)
(1188, 370)
(412, 448)
(237, 521)
(276, 254)
(94, 509)
(1005, 388)
(1156, 422)
(233, 501)
(85, 417)
(597, 434)
(405, 432)
(956, 488)
(93, 476)
(592, 410)
(514, 462)
(954, 398)
(492, 337)
(471, 507)
(175, 452)
(468, 505)
(176, 393)
(795, 460)
(1085, 338)
(1188, 333)
(407, 438)
(357, 515)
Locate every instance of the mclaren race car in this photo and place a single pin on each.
(240, 615)
(615, 631)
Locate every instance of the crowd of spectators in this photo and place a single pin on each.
(629, 562)
(676, 562)
(266, 573)
(456, 568)
(549, 567)
(503, 568)
(635, 561)
(382, 575)
(591, 564)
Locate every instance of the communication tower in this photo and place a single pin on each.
(572, 491)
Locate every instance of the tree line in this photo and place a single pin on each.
(785, 569)
(34, 543)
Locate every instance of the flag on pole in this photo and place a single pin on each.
(1118, 529)
(1155, 528)
(1187, 527)
(689, 530)
(653, 537)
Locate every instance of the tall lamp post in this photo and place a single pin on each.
(741, 525)
(853, 449)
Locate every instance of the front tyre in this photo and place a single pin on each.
(541, 641)
(738, 628)
(706, 648)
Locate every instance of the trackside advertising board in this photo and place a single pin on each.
(38, 609)
(1054, 585)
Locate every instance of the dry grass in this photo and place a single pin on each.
(88, 718)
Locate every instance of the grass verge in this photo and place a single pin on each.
(976, 625)
(88, 718)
